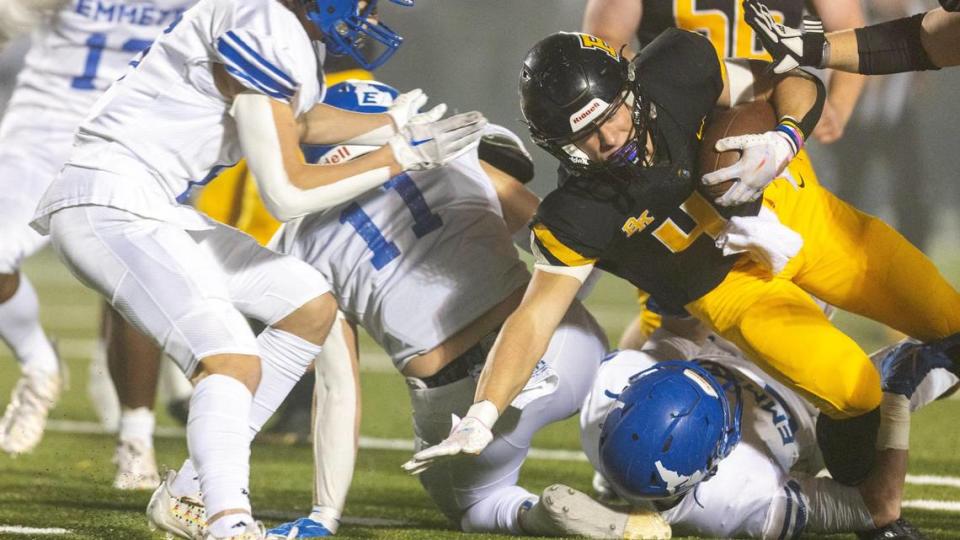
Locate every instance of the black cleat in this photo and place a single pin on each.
(901, 529)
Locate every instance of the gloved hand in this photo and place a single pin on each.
(406, 109)
(764, 156)
(425, 146)
(468, 436)
(763, 237)
(789, 47)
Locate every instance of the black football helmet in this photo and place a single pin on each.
(571, 83)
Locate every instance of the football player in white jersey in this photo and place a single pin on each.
(426, 266)
(746, 469)
(77, 49)
(228, 80)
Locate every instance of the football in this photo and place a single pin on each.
(744, 119)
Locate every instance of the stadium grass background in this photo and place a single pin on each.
(66, 482)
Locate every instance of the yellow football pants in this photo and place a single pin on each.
(849, 259)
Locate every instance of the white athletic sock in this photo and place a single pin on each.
(498, 512)
(219, 442)
(137, 424)
(20, 329)
(284, 358)
(326, 516)
(230, 525)
(187, 481)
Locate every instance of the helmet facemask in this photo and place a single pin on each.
(625, 162)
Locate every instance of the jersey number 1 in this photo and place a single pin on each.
(384, 251)
(96, 43)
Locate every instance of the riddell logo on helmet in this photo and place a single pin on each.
(339, 154)
(587, 113)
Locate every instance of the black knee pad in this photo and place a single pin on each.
(849, 446)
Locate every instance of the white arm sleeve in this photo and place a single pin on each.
(261, 146)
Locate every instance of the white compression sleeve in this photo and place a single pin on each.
(334, 417)
(261, 146)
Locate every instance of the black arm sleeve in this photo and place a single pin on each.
(893, 46)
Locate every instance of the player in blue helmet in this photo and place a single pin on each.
(723, 450)
(346, 24)
(669, 429)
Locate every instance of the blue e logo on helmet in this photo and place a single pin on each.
(345, 26)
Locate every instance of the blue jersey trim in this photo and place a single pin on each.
(253, 68)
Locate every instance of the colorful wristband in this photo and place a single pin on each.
(789, 127)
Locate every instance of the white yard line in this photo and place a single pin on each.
(931, 480)
(928, 504)
(377, 443)
(16, 529)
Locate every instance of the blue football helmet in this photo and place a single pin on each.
(669, 429)
(357, 96)
(345, 27)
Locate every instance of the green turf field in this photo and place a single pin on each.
(66, 482)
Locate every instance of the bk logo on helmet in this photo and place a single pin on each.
(593, 42)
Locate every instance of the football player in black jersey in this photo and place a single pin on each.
(722, 21)
(618, 22)
(626, 134)
(921, 42)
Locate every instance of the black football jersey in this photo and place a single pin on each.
(720, 21)
(653, 229)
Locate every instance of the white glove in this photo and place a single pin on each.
(468, 436)
(406, 109)
(425, 146)
(765, 155)
(763, 237)
(789, 47)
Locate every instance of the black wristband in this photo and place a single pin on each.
(813, 48)
(893, 47)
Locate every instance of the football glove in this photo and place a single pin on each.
(406, 109)
(764, 156)
(766, 240)
(789, 47)
(468, 436)
(425, 146)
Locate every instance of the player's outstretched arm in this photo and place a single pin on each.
(324, 124)
(921, 42)
(520, 344)
(290, 187)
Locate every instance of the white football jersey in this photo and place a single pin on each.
(777, 432)
(84, 47)
(415, 261)
(163, 127)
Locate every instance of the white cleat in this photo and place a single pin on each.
(252, 531)
(136, 466)
(179, 517)
(21, 427)
(564, 511)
